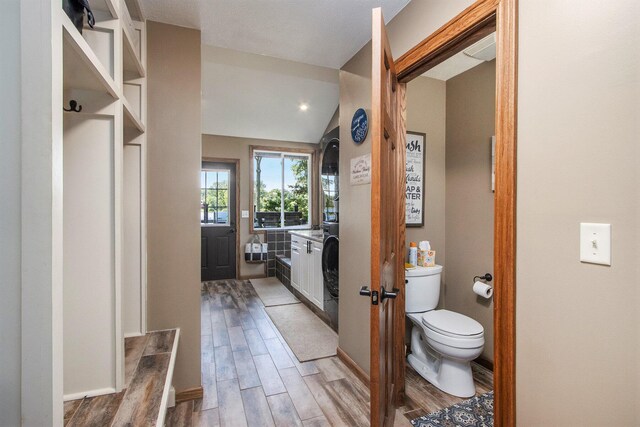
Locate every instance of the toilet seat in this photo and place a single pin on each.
(452, 324)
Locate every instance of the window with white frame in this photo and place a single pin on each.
(281, 189)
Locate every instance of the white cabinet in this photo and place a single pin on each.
(306, 269)
(295, 262)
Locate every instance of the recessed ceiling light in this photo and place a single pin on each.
(304, 107)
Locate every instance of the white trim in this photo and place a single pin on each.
(90, 393)
(168, 381)
(133, 335)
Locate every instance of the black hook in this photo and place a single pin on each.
(488, 277)
(73, 106)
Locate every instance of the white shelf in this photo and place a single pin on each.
(131, 119)
(82, 68)
(130, 59)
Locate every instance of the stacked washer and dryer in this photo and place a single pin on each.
(329, 174)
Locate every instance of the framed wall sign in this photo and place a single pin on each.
(416, 159)
(359, 126)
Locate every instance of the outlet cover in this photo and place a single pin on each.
(595, 243)
(245, 214)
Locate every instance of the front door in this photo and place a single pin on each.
(218, 220)
(387, 229)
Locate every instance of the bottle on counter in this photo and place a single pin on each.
(413, 253)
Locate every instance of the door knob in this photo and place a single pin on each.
(386, 294)
(364, 291)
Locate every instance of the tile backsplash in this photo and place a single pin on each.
(279, 243)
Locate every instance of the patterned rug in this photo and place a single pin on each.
(475, 412)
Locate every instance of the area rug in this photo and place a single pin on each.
(272, 292)
(475, 412)
(308, 337)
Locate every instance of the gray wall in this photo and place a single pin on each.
(469, 199)
(229, 147)
(10, 222)
(173, 202)
(578, 325)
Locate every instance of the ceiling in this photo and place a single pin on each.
(479, 52)
(318, 32)
(255, 96)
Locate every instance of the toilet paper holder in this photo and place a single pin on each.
(487, 277)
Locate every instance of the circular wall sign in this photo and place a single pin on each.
(359, 126)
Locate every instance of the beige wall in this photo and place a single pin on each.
(578, 330)
(355, 214)
(228, 147)
(173, 192)
(415, 22)
(469, 199)
(578, 334)
(426, 112)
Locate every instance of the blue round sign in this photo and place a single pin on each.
(359, 126)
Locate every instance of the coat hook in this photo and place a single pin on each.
(73, 106)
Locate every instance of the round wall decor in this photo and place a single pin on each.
(359, 126)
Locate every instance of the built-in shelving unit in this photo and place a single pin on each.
(104, 203)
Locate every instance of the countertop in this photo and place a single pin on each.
(315, 235)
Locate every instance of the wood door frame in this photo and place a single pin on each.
(235, 162)
(475, 22)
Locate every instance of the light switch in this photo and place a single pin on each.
(245, 214)
(595, 243)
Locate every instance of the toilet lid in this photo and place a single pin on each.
(451, 323)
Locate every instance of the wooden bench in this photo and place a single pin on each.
(149, 363)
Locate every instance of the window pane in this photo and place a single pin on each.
(267, 199)
(214, 197)
(296, 190)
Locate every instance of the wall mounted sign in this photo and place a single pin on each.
(359, 126)
(416, 159)
(361, 170)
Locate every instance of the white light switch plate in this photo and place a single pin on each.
(595, 243)
(245, 214)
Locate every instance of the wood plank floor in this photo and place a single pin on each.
(146, 366)
(252, 378)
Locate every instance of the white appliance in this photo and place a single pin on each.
(443, 343)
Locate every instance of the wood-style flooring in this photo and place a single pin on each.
(252, 378)
(146, 366)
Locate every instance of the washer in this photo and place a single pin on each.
(330, 260)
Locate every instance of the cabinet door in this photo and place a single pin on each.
(304, 267)
(296, 267)
(317, 293)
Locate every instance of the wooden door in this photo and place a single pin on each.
(387, 229)
(218, 221)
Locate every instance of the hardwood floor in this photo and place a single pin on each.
(251, 377)
(146, 365)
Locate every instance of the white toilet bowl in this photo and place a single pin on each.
(443, 344)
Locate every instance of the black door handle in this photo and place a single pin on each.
(231, 231)
(386, 294)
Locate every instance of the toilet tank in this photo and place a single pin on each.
(422, 290)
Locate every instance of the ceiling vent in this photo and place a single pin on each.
(484, 50)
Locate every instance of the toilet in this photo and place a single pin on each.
(443, 342)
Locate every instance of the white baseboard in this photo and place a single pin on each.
(90, 393)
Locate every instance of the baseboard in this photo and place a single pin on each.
(189, 394)
(485, 363)
(90, 393)
(357, 370)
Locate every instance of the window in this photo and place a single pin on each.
(214, 197)
(281, 189)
